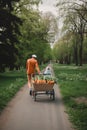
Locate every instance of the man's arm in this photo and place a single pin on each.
(27, 68)
(37, 68)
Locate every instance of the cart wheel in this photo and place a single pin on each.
(35, 96)
(50, 95)
(47, 92)
(53, 94)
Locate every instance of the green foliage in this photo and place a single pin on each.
(20, 41)
(9, 29)
(34, 37)
(63, 50)
(73, 84)
(74, 24)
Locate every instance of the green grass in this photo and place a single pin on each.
(10, 83)
(72, 81)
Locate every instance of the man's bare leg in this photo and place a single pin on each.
(29, 84)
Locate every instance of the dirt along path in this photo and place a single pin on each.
(23, 113)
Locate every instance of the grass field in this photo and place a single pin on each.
(72, 81)
(10, 83)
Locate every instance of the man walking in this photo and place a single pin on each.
(31, 66)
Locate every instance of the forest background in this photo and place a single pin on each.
(25, 30)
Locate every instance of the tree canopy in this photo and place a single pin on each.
(74, 16)
(23, 31)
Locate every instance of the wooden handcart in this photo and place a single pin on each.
(44, 88)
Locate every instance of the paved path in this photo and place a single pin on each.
(23, 113)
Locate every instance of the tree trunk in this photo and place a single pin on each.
(81, 50)
(76, 52)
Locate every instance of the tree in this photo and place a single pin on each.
(76, 23)
(33, 36)
(9, 28)
(10, 22)
(63, 49)
(52, 27)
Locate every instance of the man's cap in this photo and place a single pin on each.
(34, 56)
